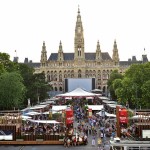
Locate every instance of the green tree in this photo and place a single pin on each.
(135, 86)
(124, 92)
(146, 95)
(114, 75)
(8, 65)
(38, 88)
(2, 69)
(27, 75)
(12, 90)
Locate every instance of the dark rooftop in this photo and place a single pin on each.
(88, 56)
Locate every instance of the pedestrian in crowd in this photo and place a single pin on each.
(65, 142)
(106, 146)
(102, 135)
(78, 141)
(99, 143)
(68, 142)
(74, 141)
(87, 130)
(93, 141)
(90, 130)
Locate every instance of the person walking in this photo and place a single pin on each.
(93, 140)
(68, 142)
(65, 142)
(107, 146)
(99, 143)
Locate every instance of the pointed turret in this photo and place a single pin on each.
(60, 53)
(115, 56)
(60, 46)
(98, 52)
(43, 55)
(144, 57)
(79, 39)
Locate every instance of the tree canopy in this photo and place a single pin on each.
(21, 78)
(114, 75)
(12, 90)
(134, 87)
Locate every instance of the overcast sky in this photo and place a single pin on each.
(25, 24)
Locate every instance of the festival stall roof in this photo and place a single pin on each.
(45, 121)
(25, 117)
(113, 105)
(109, 102)
(78, 92)
(53, 99)
(53, 112)
(96, 90)
(107, 114)
(38, 106)
(59, 108)
(47, 102)
(32, 113)
(104, 98)
(110, 115)
(96, 107)
(140, 117)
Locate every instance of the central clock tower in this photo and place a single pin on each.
(79, 39)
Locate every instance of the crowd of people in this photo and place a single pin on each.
(95, 130)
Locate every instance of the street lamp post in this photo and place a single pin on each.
(103, 122)
(38, 101)
(103, 115)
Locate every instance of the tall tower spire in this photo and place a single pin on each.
(78, 10)
(79, 39)
(115, 56)
(43, 55)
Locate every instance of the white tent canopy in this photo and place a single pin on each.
(140, 117)
(113, 105)
(45, 121)
(78, 92)
(38, 106)
(109, 102)
(32, 113)
(53, 112)
(97, 90)
(25, 117)
(104, 98)
(106, 113)
(59, 107)
(96, 107)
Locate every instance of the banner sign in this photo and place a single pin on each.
(90, 113)
(69, 116)
(123, 115)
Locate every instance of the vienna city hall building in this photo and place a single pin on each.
(81, 64)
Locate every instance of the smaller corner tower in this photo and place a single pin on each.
(115, 56)
(60, 53)
(98, 53)
(43, 55)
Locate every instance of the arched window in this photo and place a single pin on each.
(79, 74)
(60, 89)
(55, 88)
(104, 89)
(99, 87)
(48, 76)
(79, 50)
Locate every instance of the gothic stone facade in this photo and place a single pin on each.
(80, 64)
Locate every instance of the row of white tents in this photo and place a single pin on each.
(77, 93)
